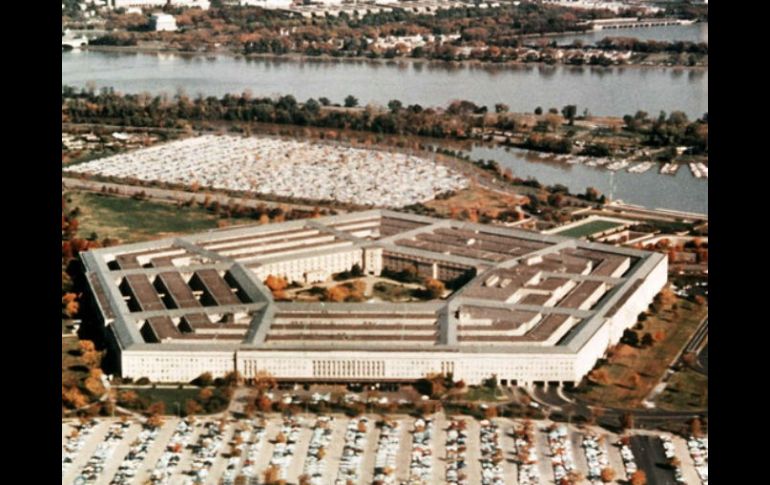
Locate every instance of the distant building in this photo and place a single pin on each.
(163, 22)
(267, 3)
(204, 4)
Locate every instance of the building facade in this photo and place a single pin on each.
(523, 306)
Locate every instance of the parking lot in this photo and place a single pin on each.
(336, 449)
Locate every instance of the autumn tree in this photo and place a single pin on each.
(156, 408)
(338, 293)
(192, 406)
(263, 381)
(93, 382)
(696, 427)
(435, 287)
(638, 478)
(70, 305)
(73, 398)
(276, 283)
(607, 474)
(599, 376)
(627, 420)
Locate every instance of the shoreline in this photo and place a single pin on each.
(300, 58)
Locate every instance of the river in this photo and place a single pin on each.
(614, 91)
(650, 189)
(603, 91)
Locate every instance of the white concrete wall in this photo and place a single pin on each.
(175, 366)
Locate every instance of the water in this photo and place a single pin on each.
(603, 91)
(650, 189)
(614, 91)
(672, 33)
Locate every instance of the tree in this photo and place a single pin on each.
(271, 475)
(501, 108)
(696, 427)
(569, 112)
(435, 287)
(647, 340)
(351, 101)
(264, 381)
(638, 478)
(264, 404)
(93, 383)
(395, 105)
(631, 338)
(156, 408)
(191, 407)
(627, 420)
(86, 346)
(204, 380)
(607, 475)
(70, 305)
(276, 283)
(599, 376)
(538, 111)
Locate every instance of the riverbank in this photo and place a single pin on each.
(395, 61)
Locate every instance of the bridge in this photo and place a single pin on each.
(630, 23)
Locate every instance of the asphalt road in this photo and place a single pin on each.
(650, 458)
(703, 359)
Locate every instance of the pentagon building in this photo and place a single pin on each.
(529, 308)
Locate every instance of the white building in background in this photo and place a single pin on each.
(531, 307)
(204, 4)
(163, 22)
(268, 4)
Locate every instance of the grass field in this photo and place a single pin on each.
(169, 397)
(590, 227)
(686, 390)
(476, 198)
(72, 370)
(649, 363)
(131, 220)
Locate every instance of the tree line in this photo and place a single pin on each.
(459, 120)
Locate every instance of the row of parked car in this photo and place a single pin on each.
(562, 461)
(421, 461)
(596, 456)
(239, 444)
(315, 462)
(256, 442)
(387, 452)
(526, 452)
(669, 451)
(135, 457)
(286, 446)
(75, 442)
(94, 467)
(456, 449)
(699, 451)
(353, 452)
(491, 454)
(629, 462)
(172, 454)
(206, 449)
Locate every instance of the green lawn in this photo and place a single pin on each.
(686, 390)
(590, 227)
(72, 369)
(169, 397)
(482, 393)
(131, 220)
(649, 363)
